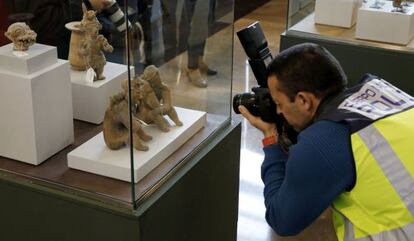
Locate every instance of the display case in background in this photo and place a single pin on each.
(366, 36)
(54, 150)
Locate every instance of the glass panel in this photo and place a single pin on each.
(191, 44)
(298, 10)
(187, 44)
(368, 22)
(52, 110)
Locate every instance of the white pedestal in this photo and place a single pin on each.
(341, 13)
(36, 118)
(384, 25)
(93, 156)
(90, 100)
(38, 57)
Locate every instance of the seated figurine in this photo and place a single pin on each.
(146, 105)
(21, 35)
(116, 123)
(152, 80)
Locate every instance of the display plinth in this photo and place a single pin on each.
(36, 58)
(384, 25)
(95, 157)
(341, 13)
(90, 100)
(36, 113)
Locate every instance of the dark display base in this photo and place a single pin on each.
(199, 202)
(55, 172)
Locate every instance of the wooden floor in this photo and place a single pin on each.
(252, 225)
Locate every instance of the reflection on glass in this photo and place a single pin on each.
(362, 21)
(159, 68)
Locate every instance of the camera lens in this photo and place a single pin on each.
(248, 100)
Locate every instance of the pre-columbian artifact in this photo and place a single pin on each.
(150, 100)
(77, 61)
(152, 82)
(93, 43)
(21, 35)
(116, 122)
(146, 106)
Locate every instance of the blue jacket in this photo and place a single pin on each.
(301, 185)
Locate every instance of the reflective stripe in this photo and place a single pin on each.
(349, 230)
(390, 164)
(405, 233)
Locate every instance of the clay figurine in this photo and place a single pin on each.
(21, 35)
(93, 43)
(116, 122)
(147, 108)
(151, 99)
(151, 77)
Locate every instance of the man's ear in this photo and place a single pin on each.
(307, 100)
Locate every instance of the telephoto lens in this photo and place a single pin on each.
(259, 103)
(247, 100)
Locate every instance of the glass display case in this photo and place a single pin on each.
(93, 73)
(373, 36)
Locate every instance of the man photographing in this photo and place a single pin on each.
(348, 153)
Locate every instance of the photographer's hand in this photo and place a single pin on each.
(268, 129)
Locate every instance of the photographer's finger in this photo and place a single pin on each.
(253, 120)
(245, 112)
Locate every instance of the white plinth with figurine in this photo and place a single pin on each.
(340, 13)
(95, 157)
(36, 118)
(384, 24)
(90, 100)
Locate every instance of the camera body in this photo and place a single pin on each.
(259, 102)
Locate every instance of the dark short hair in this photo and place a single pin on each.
(307, 67)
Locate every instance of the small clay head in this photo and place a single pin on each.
(21, 35)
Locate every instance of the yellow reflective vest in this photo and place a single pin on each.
(380, 207)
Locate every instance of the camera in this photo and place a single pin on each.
(259, 102)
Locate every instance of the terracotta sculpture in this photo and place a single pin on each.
(147, 108)
(92, 45)
(21, 35)
(77, 61)
(152, 78)
(116, 122)
(151, 99)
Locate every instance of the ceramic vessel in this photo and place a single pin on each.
(77, 62)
